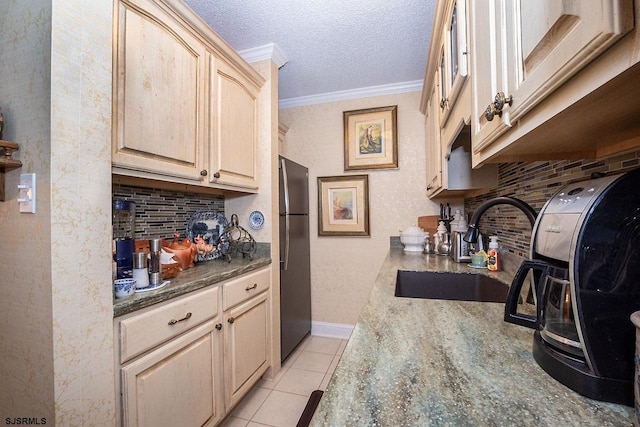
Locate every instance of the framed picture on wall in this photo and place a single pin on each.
(370, 138)
(343, 205)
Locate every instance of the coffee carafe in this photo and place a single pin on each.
(123, 222)
(581, 285)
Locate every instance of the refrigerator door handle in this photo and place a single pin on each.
(284, 263)
(285, 181)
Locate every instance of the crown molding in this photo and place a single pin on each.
(411, 86)
(268, 51)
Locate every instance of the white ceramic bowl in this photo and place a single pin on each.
(124, 287)
(413, 239)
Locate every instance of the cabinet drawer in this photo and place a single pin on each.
(144, 331)
(241, 289)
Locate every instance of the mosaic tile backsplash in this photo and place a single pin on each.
(535, 183)
(161, 213)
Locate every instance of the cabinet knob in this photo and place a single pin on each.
(204, 172)
(218, 326)
(490, 112)
(501, 100)
(443, 102)
(216, 175)
(231, 319)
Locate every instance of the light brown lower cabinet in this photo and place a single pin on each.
(190, 360)
(246, 341)
(174, 385)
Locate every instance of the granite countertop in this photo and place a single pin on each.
(417, 362)
(202, 275)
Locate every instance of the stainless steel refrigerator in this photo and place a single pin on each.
(295, 275)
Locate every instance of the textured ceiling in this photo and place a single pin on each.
(329, 45)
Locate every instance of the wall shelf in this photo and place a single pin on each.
(7, 163)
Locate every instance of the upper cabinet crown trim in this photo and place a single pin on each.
(217, 43)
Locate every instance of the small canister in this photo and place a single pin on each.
(140, 271)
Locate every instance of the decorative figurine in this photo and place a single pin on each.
(236, 239)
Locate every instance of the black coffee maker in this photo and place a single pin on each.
(581, 285)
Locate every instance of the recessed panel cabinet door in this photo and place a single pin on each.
(246, 338)
(488, 68)
(235, 128)
(551, 40)
(433, 145)
(158, 93)
(176, 384)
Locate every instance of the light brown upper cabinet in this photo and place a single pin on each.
(524, 54)
(433, 144)
(446, 103)
(160, 100)
(234, 133)
(186, 106)
(453, 62)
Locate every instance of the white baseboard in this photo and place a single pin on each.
(332, 330)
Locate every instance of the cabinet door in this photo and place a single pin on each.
(488, 70)
(158, 93)
(433, 146)
(246, 347)
(233, 154)
(177, 384)
(549, 41)
(453, 61)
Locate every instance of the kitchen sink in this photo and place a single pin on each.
(450, 286)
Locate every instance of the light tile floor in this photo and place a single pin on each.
(279, 402)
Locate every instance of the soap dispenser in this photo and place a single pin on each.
(494, 254)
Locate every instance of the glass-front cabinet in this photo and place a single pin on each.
(523, 51)
(446, 103)
(453, 57)
(533, 80)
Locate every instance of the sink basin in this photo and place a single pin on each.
(450, 286)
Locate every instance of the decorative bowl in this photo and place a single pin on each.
(124, 287)
(184, 255)
(413, 239)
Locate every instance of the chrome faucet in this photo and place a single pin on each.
(472, 232)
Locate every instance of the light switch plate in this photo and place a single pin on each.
(27, 193)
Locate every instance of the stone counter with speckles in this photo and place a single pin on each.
(202, 275)
(418, 362)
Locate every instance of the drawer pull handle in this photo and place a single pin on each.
(174, 321)
(249, 288)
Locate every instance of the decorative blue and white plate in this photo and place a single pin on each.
(204, 230)
(256, 220)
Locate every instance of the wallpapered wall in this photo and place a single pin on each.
(535, 183)
(56, 309)
(161, 213)
(343, 268)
